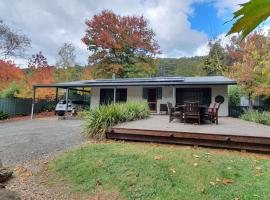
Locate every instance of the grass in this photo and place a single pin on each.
(256, 116)
(99, 119)
(143, 171)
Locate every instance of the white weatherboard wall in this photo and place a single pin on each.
(135, 93)
(95, 93)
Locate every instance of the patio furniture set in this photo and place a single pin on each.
(195, 111)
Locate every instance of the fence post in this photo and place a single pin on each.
(56, 95)
(67, 91)
(33, 102)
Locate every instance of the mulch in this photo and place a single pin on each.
(27, 117)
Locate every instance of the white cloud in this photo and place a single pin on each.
(53, 22)
(226, 7)
(203, 50)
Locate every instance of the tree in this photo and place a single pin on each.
(68, 74)
(87, 73)
(120, 44)
(10, 73)
(11, 92)
(251, 68)
(249, 16)
(39, 72)
(66, 56)
(185, 66)
(12, 44)
(215, 62)
(41, 75)
(37, 60)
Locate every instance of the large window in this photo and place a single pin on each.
(203, 95)
(106, 95)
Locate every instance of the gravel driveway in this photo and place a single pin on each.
(29, 139)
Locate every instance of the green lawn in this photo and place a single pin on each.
(144, 171)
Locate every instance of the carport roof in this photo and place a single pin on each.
(154, 81)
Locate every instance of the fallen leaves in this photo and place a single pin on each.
(98, 182)
(212, 183)
(258, 171)
(100, 163)
(22, 172)
(258, 168)
(224, 181)
(158, 157)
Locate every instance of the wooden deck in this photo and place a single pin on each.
(229, 133)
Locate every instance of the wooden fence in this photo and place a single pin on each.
(18, 106)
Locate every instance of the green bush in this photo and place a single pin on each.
(3, 115)
(98, 120)
(11, 91)
(235, 94)
(256, 116)
(50, 107)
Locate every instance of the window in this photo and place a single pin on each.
(203, 95)
(121, 95)
(107, 95)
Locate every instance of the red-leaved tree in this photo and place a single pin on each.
(39, 72)
(9, 73)
(124, 45)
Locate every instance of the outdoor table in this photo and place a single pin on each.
(203, 109)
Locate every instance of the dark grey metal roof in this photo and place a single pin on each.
(155, 81)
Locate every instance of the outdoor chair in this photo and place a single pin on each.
(215, 113)
(212, 112)
(173, 114)
(209, 113)
(192, 111)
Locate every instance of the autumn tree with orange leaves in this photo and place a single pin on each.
(11, 76)
(39, 72)
(251, 64)
(124, 45)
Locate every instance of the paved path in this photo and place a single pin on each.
(30, 139)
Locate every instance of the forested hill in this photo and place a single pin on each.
(185, 66)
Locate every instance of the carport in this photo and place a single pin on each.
(80, 86)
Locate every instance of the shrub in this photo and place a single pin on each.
(98, 120)
(11, 91)
(235, 94)
(256, 116)
(49, 107)
(3, 115)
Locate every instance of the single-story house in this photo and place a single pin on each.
(157, 91)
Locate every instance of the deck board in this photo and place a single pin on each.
(229, 133)
(226, 126)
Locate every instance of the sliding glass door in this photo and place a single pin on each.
(203, 95)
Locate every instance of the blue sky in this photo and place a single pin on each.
(182, 27)
(206, 19)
